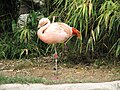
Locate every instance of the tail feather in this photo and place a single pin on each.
(76, 32)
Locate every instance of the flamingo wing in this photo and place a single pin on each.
(57, 33)
(67, 29)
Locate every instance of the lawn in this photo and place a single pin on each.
(41, 70)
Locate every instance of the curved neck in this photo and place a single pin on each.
(44, 23)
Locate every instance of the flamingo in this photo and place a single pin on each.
(55, 32)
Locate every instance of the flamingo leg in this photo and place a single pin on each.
(68, 40)
(55, 55)
(56, 59)
(65, 44)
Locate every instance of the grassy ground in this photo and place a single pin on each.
(41, 70)
(18, 79)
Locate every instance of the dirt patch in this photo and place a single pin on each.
(44, 67)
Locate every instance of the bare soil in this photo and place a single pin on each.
(44, 67)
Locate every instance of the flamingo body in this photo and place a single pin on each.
(57, 32)
(53, 33)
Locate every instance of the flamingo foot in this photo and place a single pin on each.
(56, 66)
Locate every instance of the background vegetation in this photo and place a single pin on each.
(97, 20)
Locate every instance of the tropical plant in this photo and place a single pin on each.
(109, 24)
(98, 22)
(26, 38)
(22, 41)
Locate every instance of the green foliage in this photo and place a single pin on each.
(5, 45)
(109, 23)
(18, 79)
(26, 38)
(98, 22)
(22, 42)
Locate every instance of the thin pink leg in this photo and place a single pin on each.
(56, 57)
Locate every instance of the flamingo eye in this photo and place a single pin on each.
(45, 23)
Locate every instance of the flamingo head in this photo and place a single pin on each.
(76, 32)
(43, 22)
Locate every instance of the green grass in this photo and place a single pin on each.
(20, 79)
(27, 80)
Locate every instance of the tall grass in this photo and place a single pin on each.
(98, 22)
(21, 42)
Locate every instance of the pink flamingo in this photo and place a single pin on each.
(53, 33)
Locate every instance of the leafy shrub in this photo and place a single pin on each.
(22, 42)
(98, 22)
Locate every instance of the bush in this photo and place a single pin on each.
(98, 22)
(21, 42)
